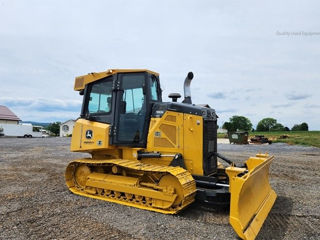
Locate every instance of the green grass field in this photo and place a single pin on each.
(311, 138)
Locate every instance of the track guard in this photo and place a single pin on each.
(251, 195)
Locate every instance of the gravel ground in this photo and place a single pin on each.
(35, 203)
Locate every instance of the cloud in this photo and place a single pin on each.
(312, 106)
(42, 105)
(297, 96)
(217, 95)
(282, 105)
(47, 117)
(248, 90)
(230, 110)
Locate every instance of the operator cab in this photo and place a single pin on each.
(123, 100)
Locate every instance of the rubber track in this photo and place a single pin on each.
(184, 177)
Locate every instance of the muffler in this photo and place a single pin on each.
(186, 88)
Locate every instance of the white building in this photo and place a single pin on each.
(7, 116)
(11, 126)
(221, 130)
(66, 128)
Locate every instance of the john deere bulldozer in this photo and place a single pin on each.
(160, 156)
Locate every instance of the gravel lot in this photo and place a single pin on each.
(35, 203)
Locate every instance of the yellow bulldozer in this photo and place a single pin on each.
(160, 156)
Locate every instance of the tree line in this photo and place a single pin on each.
(242, 123)
(235, 123)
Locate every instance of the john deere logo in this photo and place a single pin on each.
(89, 134)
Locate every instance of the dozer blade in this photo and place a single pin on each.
(251, 195)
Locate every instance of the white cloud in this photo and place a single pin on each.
(298, 96)
(43, 109)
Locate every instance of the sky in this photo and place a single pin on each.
(252, 58)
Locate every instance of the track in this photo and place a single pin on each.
(157, 188)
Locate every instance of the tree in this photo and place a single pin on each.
(277, 127)
(265, 124)
(300, 127)
(286, 129)
(238, 123)
(295, 127)
(54, 128)
(229, 127)
(304, 126)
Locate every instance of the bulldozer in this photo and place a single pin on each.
(160, 156)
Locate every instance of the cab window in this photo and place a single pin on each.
(154, 88)
(100, 97)
(134, 99)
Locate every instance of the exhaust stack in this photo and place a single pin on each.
(186, 88)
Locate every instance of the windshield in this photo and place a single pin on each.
(100, 97)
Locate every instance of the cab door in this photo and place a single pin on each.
(132, 113)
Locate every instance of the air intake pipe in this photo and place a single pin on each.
(186, 88)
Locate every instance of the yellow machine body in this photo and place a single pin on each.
(175, 131)
(117, 173)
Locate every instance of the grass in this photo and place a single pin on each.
(310, 138)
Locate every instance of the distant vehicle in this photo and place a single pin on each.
(20, 130)
(260, 139)
(45, 135)
(238, 137)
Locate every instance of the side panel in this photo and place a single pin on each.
(166, 136)
(89, 136)
(165, 132)
(193, 143)
(177, 133)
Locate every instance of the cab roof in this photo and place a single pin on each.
(82, 81)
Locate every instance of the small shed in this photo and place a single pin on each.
(66, 128)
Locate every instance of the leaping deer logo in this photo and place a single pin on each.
(89, 134)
